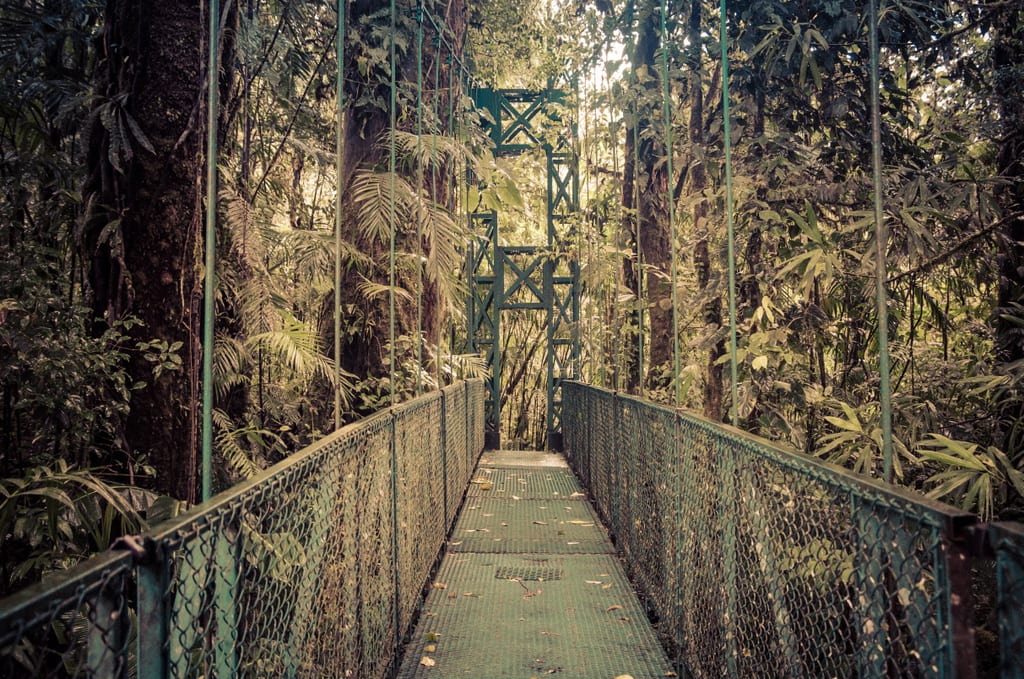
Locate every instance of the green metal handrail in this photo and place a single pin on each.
(758, 561)
(295, 572)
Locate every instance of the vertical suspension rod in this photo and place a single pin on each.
(339, 133)
(209, 284)
(881, 238)
(391, 204)
(419, 197)
(729, 211)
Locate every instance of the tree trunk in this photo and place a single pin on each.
(1008, 54)
(713, 386)
(145, 265)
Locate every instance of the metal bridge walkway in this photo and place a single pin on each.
(530, 585)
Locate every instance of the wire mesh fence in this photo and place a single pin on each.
(759, 562)
(1007, 540)
(314, 568)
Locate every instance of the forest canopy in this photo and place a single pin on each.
(102, 162)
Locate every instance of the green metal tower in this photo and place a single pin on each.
(515, 277)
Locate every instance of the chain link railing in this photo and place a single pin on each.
(1007, 541)
(759, 562)
(313, 568)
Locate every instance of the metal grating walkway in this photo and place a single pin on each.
(531, 586)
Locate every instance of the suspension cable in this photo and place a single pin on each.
(419, 197)
(667, 96)
(881, 238)
(339, 136)
(729, 211)
(209, 283)
(391, 204)
(433, 188)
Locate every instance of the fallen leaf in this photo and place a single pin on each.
(581, 523)
(433, 636)
(572, 543)
(486, 485)
(541, 523)
(440, 585)
(624, 676)
(429, 648)
(550, 634)
(593, 582)
(616, 607)
(516, 497)
(503, 523)
(607, 585)
(427, 661)
(578, 494)
(625, 618)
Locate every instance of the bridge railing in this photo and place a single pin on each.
(761, 562)
(313, 568)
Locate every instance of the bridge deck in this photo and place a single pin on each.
(530, 585)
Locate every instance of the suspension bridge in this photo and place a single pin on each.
(653, 543)
(669, 546)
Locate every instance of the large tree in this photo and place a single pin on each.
(144, 210)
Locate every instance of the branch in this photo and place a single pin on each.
(957, 247)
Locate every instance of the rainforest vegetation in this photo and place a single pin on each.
(102, 157)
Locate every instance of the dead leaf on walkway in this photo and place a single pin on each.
(427, 661)
(541, 523)
(616, 607)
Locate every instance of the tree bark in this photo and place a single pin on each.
(713, 387)
(145, 266)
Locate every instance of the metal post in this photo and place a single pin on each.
(151, 639)
(209, 283)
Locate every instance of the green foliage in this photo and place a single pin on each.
(53, 516)
(976, 478)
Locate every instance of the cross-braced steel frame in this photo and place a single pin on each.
(516, 277)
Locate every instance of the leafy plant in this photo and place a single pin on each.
(976, 478)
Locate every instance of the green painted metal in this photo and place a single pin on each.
(210, 261)
(225, 578)
(730, 216)
(291, 573)
(881, 240)
(516, 116)
(392, 225)
(1007, 541)
(419, 204)
(151, 636)
(339, 140)
(765, 558)
(532, 589)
